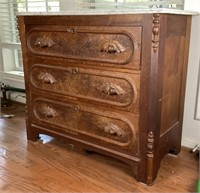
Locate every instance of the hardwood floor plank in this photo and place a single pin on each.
(49, 166)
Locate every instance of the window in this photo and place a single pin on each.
(130, 4)
(10, 50)
(9, 37)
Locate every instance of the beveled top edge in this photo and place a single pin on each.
(113, 12)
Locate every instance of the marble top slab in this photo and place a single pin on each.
(115, 11)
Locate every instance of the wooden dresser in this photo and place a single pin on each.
(112, 84)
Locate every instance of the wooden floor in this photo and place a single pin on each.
(49, 166)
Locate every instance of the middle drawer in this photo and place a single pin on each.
(112, 89)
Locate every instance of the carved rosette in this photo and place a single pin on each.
(156, 31)
(150, 157)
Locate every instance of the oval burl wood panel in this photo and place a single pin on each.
(79, 120)
(111, 46)
(119, 90)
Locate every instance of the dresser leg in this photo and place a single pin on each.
(173, 151)
(89, 152)
(32, 135)
(150, 157)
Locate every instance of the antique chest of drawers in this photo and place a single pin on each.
(113, 84)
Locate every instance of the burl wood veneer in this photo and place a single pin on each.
(113, 84)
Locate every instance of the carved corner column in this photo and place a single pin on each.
(154, 81)
(156, 31)
(150, 157)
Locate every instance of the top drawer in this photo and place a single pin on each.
(102, 45)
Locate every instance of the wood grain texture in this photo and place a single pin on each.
(118, 90)
(106, 46)
(48, 165)
(112, 84)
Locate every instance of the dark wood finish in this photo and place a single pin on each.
(113, 84)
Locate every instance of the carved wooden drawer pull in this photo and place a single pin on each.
(47, 78)
(114, 130)
(111, 89)
(75, 70)
(71, 146)
(44, 42)
(72, 29)
(49, 112)
(77, 108)
(112, 46)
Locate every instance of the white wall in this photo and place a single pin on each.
(67, 5)
(198, 98)
(192, 5)
(191, 123)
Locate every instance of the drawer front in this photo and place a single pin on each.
(105, 46)
(87, 123)
(104, 87)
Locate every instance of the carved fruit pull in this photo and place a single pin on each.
(44, 42)
(114, 130)
(112, 46)
(47, 78)
(49, 112)
(111, 89)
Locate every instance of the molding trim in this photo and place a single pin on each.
(190, 143)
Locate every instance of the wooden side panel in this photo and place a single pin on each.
(172, 77)
(173, 73)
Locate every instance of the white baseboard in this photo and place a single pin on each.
(17, 96)
(14, 79)
(190, 143)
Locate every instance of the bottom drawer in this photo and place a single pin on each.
(89, 124)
